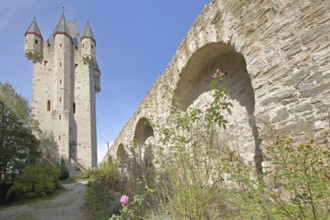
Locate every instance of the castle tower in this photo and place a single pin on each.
(66, 78)
(33, 42)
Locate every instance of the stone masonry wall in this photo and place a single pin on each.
(277, 58)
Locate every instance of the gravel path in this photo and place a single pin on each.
(66, 206)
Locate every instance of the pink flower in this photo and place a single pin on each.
(124, 200)
(218, 73)
(208, 109)
(327, 175)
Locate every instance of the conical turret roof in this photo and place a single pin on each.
(62, 28)
(34, 29)
(88, 33)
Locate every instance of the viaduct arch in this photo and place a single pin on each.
(277, 58)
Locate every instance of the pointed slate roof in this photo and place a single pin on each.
(88, 33)
(70, 28)
(34, 29)
(62, 28)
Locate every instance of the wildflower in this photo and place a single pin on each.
(218, 73)
(124, 200)
(207, 109)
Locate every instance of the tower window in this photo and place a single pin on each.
(60, 45)
(60, 81)
(74, 107)
(83, 45)
(60, 63)
(48, 105)
(45, 63)
(60, 99)
(92, 46)
(76, 47)
(76, 65)
(59, 117)
(59, 137)
(36, 41)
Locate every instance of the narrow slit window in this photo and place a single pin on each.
(60, 63)
(60, 45)
(36, 41)
(48, 105)
(59, 117)
(60, 81)
(92, 46)
(74, 107)
(83, 45)
(45, 63)
(60, 99)
(59, 137)
(76, 65)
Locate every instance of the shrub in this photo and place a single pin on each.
(37, 180)
(108, 174)
(102, 196)
(299, 184)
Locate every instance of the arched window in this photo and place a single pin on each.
(74, 107)
(59, 117)
(48, 105)
(92, 46)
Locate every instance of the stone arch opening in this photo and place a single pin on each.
(143, 131)
(121, 154)
(193, 89)
(144, 137)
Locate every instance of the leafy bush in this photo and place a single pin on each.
(102, 195)
(108, 174)
(37, 180)
(300, 185)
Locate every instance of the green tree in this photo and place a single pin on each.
(64, 173)
(18, 145)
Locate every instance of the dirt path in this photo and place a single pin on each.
(66, 206)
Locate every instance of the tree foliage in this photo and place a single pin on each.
(18, 145)
(38, 180)
(64, 173)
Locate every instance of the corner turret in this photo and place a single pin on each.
(33, 42)
(88, 44)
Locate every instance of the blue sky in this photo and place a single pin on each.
(135, 42)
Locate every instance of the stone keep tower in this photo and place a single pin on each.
(66, 78)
